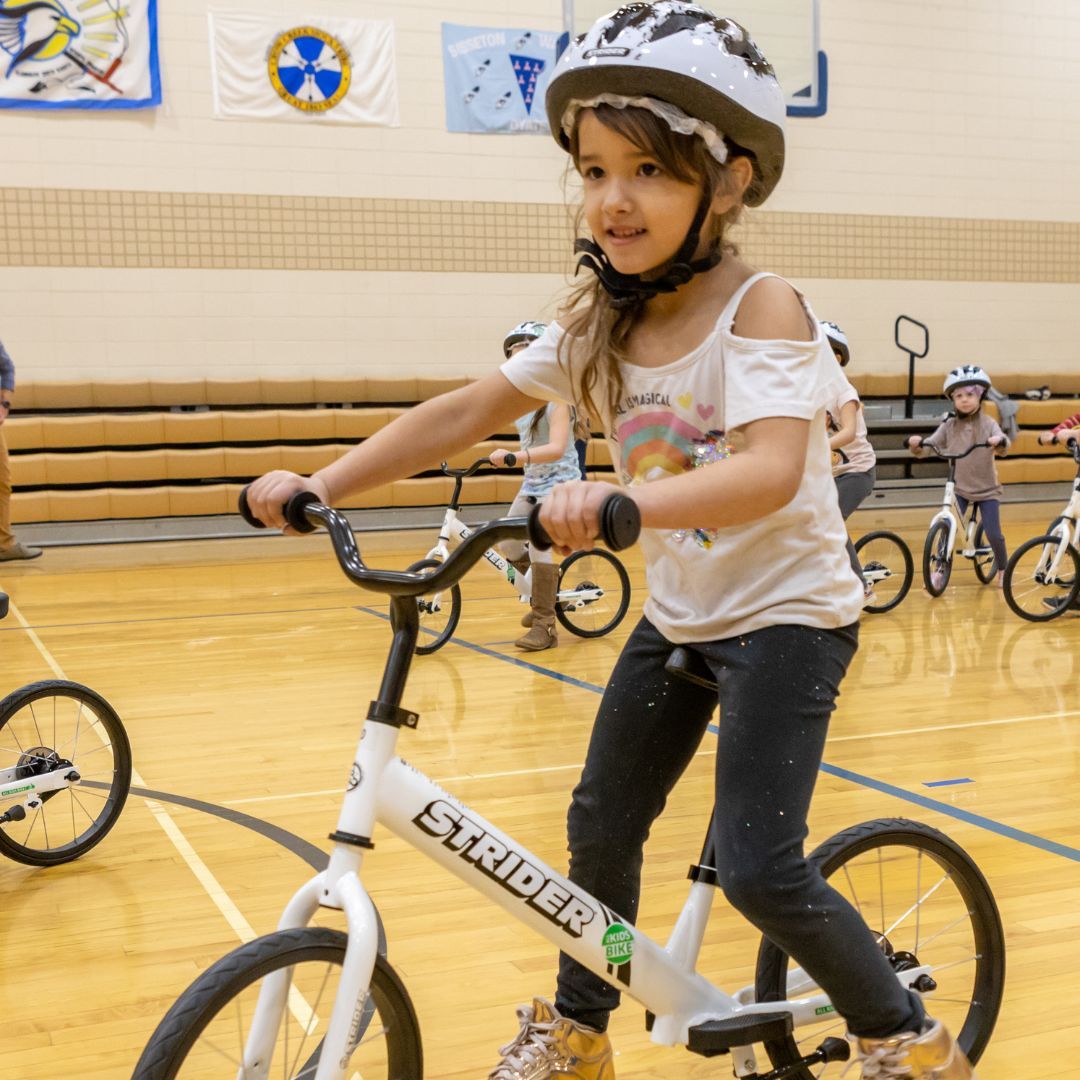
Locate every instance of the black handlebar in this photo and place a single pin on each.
(955, 457)
(508, 462)
(1071, 439)
(620, 523)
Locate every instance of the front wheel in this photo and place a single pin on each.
(51, 726)
(937, 558)
(888, 569)
(594, 593)
(1042, 578)
(928, 906)
(205, 1032)
(439, 612)
(986, 566)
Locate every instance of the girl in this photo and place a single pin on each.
(976, 477)
(855, 471)
(550, 458)
(711, 381)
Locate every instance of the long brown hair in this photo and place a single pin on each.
(593, 324)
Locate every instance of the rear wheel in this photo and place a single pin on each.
(1042, 578)
(59, 725)
(206, 1030)
(439, 612)
(594, 593)
(887, 567)
(986, 566)
(937, 559)
(929, 906)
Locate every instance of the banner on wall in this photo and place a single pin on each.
(333, 70)
(495, 79)
(79, 54)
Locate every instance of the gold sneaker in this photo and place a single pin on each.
(548, 1045)
(931, 1055)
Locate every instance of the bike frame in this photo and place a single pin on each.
(1067, 530)
(453, 528)
(384, 788)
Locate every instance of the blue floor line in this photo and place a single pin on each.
(1030, 839)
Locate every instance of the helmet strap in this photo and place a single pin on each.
(626, 290)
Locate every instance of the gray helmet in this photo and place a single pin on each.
(525, 331)
(838, 340)
(968, 375)
(681, 54)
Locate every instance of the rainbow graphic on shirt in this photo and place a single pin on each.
(656, 440)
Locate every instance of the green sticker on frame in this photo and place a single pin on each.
(618, 944)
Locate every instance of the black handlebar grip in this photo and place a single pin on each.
(245, 510)
(294, 511)
(620, 524)
(510, 460)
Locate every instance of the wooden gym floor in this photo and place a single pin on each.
(242, 670)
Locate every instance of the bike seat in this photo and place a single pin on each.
(689, 665)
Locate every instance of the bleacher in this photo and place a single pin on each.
(141, 449)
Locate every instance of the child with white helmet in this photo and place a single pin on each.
(549, 457)
(711, 381)
(854, 460)
(976, 476)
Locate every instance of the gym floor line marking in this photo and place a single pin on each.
(210, 884)
(924, 801)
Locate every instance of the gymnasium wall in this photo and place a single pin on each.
(941, 183)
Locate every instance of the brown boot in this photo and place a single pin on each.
(542, 633)
(521, 567)
(932, 1054)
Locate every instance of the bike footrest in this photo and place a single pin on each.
(719, 1036)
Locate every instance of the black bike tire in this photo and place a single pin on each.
(938, 534)
(118, 791)
(182, 1025)
(1014, 559)
(771, 970)
(980, 542)
(624, 601)
(906, 558)
(425, 645)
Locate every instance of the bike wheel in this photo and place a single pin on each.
(1033, 588)
(887, 566)
(204, 1033)
(594, 593)
(928, 905)
(937, 559)
(439, 612)
(985, 561)
(56, 724)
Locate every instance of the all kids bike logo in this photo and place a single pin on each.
(309, 69)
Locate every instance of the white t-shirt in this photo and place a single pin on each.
(789, 567)
(859, 452)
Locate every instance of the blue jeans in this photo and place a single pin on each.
(777, 689)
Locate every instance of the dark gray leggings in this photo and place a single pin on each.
(990, 516)
(851, 489)
(777, 689)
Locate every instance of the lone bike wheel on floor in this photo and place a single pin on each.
(594, 593)
(887, 567)
(928, 907)
(59, 726)
(205, 1033)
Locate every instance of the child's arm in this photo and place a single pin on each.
(998, 439)
(558, 435)
(849, 414)
(416, 441)
(1067, 424)
(915, 442)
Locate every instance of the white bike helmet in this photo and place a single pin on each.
(968, 375)
(525, 331)
(838, 340)
(677, 54)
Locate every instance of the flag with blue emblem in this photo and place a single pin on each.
(495, 78)
(79, 54)
(314, 70)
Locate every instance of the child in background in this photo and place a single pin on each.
(1068, 424)
(856, 471)
(976, 476)
(712, 381)
(549, 457)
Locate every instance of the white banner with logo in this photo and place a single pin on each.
(79, 54)
(266, 67)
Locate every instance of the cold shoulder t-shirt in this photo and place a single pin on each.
(789, 567)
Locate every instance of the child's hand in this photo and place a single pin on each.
(914, 442)
(1046, 438)
(571, 513)
(498, 457)
(995, 440)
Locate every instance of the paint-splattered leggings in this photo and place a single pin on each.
(777, 689)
